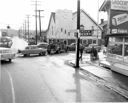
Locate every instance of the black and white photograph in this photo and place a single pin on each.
(63, 51)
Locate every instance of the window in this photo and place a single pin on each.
(126, 40)
(94, 41)
(69, 33)
(115, 48)
(126, 50)
(65, 31)
(61, 29)
(115, 45)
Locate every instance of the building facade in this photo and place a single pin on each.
(63, 23)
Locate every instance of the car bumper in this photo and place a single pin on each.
(7, 56)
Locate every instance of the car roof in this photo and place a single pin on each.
(43, 43)
(31, 45)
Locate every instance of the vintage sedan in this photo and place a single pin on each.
(43, 45)
(72, 47)
(33, 49)
(88, 49)
(7, 54)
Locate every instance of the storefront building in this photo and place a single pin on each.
(117, 48)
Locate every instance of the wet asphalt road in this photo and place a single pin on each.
(42, 79)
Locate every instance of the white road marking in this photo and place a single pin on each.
(12, 87)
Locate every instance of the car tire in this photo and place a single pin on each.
(49, 52)
(25, 55)
(40, 54)
(10, 60)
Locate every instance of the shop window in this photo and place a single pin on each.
(94, 41)
(126, 50)
(119, 39)
(115, 48)
(89, 41)
(126, 40)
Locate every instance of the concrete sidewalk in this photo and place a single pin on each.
(101, 75)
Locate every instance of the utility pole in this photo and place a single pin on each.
(40, 22)
(36, 18)
(24, 29)
(78, 39)
(28, 26)
(97, 21)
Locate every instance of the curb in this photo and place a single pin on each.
(102, 81)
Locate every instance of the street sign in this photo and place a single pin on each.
(77, 33)
(85, 32)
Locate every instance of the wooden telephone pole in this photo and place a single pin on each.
(78, 39)
(40, 21)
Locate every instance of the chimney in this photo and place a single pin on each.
(102, 21)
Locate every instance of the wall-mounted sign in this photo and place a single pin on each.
(119, 5)
(118, 21)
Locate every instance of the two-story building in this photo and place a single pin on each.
(63, 23)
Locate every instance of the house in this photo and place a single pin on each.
(63, 23)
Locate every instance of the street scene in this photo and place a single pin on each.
(77, 58)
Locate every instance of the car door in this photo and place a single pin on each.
(34, 50)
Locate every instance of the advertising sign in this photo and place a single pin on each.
(85, 32)
(119, 5)
(118, 21)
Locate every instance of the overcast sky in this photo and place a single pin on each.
(14, 12)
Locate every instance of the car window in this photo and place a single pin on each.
(43, 45)
(33, 47)
(27, 48)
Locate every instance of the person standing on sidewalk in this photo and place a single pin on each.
(81, 52)
(94, 54)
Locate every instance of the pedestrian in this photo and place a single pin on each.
(81, 52)
(94, 54)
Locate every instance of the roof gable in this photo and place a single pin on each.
(89, 18)
(51, 16)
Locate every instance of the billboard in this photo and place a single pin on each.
(118, 21)
(119, 5)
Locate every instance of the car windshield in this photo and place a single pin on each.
(43, 45)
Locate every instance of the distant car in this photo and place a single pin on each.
(33, 49)
(7, 54)
(88, 49)
(43, 45)
(72, 47)
(62, 47)
(53, 48)
(31, 42)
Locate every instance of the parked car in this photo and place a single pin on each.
(62, 47)
(6, 52)
(33, 49)
(53, 48)
(72, 47)
(88, 49)
(43, 45)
